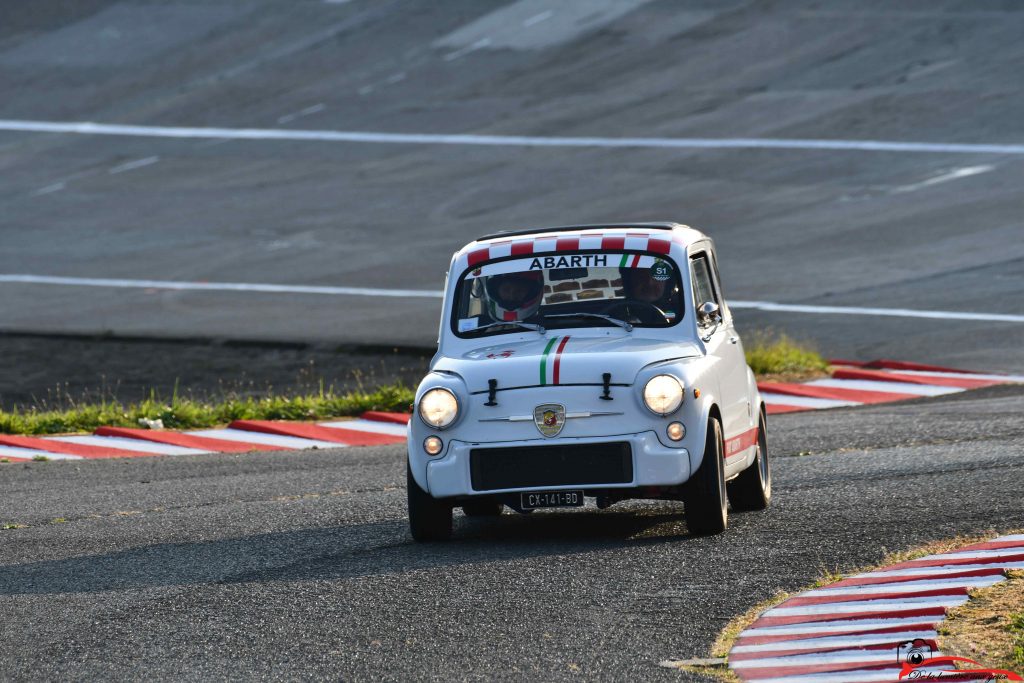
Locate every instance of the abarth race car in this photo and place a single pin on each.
(581, 362)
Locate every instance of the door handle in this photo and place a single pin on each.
(734, 339)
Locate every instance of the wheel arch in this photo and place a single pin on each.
(710, 410)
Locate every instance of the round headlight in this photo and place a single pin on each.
(438, 408)
(663, 394)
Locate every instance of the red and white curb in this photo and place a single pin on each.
(852, 383)
(855, 383)
(373, 428)
(853, 631)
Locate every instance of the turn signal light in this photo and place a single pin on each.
(433, 445)
(676, 431)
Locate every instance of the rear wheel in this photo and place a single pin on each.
(705, 499)
(482, 508)
(430, 519)
(752, 489)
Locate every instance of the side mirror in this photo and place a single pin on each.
(709, 314)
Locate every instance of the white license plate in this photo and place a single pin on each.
(551, 499)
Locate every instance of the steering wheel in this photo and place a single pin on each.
(648, 313)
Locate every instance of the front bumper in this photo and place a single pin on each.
(653, 465)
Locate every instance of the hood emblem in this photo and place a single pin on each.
(549, 418)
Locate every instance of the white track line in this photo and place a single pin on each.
(885, 312)
(955, 174)
(906, 586)
(25, 278)
(90, 128)
(889, 605)
(962, 375)
(938, 571)
(773, 399)
(125, 444)
(891, 312)
(886, 387)
(377, 427)
(835, 641)
(288, 442)
(216, 286)
(860, 676)
(835, 626)
(55, 187)
(974, 554)
(132, 165)
(841, 657)
(29, 453)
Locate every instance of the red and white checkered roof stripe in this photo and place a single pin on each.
(660, 243)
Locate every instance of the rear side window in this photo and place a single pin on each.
(703, 287)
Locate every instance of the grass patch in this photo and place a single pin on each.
(989, 628)
(780, 357)
(188, 413)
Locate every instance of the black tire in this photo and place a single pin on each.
(482, 508)
(430, 519)
(705, 499)
(752, 489)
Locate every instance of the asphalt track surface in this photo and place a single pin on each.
(929, 231)
(300, 565)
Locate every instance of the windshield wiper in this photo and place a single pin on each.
(615, 321)
(530, 326)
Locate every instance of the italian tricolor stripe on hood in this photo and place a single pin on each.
(557, 343)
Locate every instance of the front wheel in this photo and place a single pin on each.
(430, 519)
(704, 496)
(752, 489)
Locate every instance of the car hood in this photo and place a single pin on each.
(561, 359)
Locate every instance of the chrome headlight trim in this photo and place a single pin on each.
(663, 394)
(445, 421)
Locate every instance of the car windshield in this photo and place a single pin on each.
(568, 290)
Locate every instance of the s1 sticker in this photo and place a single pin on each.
(467, 324)
(661, 271)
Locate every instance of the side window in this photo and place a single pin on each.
(703, 287)
(718, 286)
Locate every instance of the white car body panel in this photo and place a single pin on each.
(513, 360)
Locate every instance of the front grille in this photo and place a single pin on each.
(534, 466)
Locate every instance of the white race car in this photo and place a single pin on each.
(587, 361)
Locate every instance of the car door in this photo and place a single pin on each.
(723, 344)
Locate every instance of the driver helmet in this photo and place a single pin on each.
(631, 279)
(514, 297)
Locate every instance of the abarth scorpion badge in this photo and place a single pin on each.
(549, 418)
